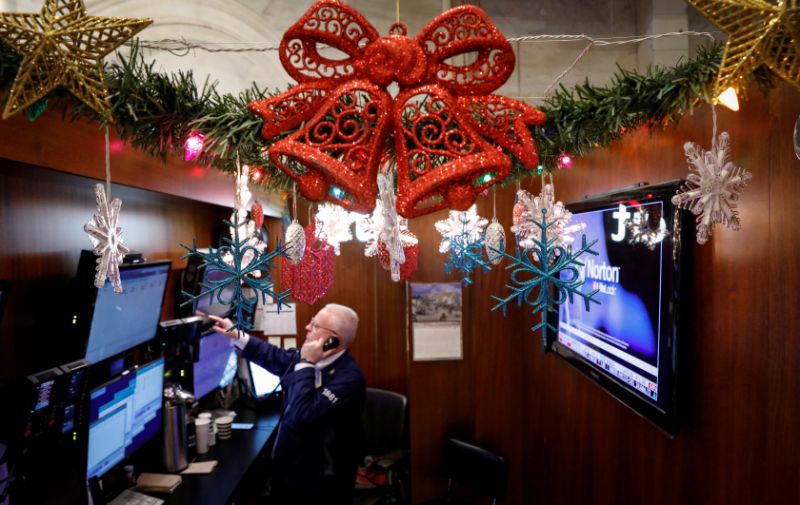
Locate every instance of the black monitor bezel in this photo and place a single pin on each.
(675, 275)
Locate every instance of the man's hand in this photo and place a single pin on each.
(224, 326)
(311, 350)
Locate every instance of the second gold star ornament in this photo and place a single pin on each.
(760, 32)
(63, 46)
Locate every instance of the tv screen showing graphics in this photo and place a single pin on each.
(124, 414)
(125, 320)
(629, 342)
(216, 366)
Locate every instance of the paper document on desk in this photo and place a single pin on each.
(158, 482)
(201, 467)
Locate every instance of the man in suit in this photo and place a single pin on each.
(318, 439)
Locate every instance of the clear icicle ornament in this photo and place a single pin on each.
(295, 237)
(495, 239)
(295, 242)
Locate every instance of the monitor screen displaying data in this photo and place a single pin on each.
(216, 366)
(123, 415)
(124, 320)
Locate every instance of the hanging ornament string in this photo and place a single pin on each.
(294, 201)
(104, 232)
(108, 163)
(397, 12)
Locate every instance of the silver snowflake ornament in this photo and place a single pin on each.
(333, 225)
(106, 239)
(712, 186)
(528, 217)
(466, 225)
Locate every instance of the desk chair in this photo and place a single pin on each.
(475, 468)
(383, 477)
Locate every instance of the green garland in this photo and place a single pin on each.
(155, 112)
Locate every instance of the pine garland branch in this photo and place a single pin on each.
(155, 111)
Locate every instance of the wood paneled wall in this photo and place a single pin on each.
(566, 440)
(43, 213)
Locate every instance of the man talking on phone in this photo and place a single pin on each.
(318, 439)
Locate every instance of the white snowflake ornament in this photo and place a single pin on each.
(712, 186)
(528, 216)
(466, 226)
(495, 241)
(106, 239)
(295, 242)
(369, 228)
(333, 225)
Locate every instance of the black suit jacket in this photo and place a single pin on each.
(319, 438)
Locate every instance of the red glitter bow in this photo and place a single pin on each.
(451, 137)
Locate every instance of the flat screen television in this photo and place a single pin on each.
(629, 343)
(216, 365)
(124, 413)
(125, 320)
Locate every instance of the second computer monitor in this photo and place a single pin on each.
(124, 414)
(216, 366)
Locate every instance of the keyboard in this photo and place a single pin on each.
(129, 497)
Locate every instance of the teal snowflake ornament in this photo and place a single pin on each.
(242, 274)
(545, 275)
(463, 241)
(465, 257)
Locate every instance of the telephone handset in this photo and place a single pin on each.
(331, 343)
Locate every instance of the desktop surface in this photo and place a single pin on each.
(236, 456)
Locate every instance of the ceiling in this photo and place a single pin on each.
(259, 24)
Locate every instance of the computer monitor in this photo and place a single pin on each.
(125, 320)
(264, 382)
(124, 414)
(216, 366)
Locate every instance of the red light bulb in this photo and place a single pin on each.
(193, 145)
(564, 161)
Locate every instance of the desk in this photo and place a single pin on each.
(235, 456)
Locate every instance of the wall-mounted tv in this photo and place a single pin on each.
(629, 343)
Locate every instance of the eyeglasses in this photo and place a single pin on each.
(314, 325)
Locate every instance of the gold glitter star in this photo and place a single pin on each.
(760, 32)
(63, 46)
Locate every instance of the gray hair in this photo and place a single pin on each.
(344, 320)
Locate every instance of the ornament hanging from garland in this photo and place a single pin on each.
(760, 32)
(452, 138)
(712, 187)
(63, 46)
(295, 242)
(311, 279)
(106, 237)
(527, 219)
(332, 224)
(546, 274)
(240, 282)
(462, 239)
(398, 248)
(250, 227)
(495, 239)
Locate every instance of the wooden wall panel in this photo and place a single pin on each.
(43, 214)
